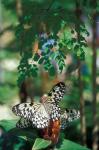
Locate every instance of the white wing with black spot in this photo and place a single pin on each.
(57, 92)
(35, 112)
(68, 116)
(24, 123)
(52, 109)
(53, 98)
(41, 118)
(26, 110)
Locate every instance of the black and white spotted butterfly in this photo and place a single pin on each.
(38, 114)
(66, 117)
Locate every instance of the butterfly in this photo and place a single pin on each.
(67, 116)
(38, 114)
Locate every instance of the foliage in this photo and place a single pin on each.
(8, 85)
(8, 124)
(80, 42)
(68, 145)
(24, 136)
(58, 32)
(46, 26)
(6, 98)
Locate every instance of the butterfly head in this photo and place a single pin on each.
(44, 98)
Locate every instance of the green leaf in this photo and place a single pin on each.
(36, 57)
(47, 63)
(17, 142)
(43, 54)
(69, 145)
(74, 40)
(51, 71)
(34, 72)
(47, 50)
(76, 47)
(21, 78)
(61, 67)
(60, 45)
(82, 55)
(41, 60)
(52, 55)
(8, 124)
(83, 44)
(40, 144)
(10, 127)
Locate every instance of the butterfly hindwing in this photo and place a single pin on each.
(68, 116)
(23, 123)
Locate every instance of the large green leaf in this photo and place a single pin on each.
(68, 145)
(8, 124)
(40, 144)
(10, 127)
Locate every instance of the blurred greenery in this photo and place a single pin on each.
(8, 78)
(21, 24)
(23, 135)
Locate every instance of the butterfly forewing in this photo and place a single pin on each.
(26, 110)
(57, 92)
(51, 100)
(35, 112)
(68, 116)
(54, 96)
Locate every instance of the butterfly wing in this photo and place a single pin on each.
(57, 92)
(68, 116)
(52, 109)
(26, 110)
(41, 118)
(51, 101)
(35, 112)
(23, 123)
